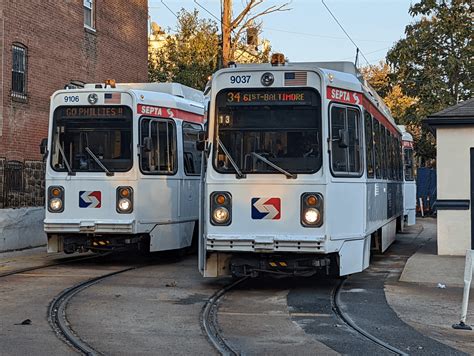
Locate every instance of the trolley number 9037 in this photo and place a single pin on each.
(239, 79)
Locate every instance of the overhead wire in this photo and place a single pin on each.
(348, 36)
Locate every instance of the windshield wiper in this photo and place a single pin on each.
(232, 162)
(109, 173)
(273, 165)
(63, 155)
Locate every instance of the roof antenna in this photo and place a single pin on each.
(356, 61)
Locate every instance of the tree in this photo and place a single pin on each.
(379, 77)
(434, 63)
(235, 46)
(189, 56)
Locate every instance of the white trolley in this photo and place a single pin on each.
(409, 186)
(304, 171)
(122, 167)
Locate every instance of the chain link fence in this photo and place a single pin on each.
(21, 183)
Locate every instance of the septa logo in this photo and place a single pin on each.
(88, 199)
(266, 208)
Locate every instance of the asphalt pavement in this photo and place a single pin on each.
(408, 297)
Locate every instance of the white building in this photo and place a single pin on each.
(454, 131)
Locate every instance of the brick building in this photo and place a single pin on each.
(43, 46)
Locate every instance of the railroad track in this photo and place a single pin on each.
(209, 320)
(71, 260)
(210, 325)
(57, 313)
(337, 310)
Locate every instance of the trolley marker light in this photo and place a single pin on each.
(221, 208)
(311, 209)
(124, 200)
(55, 199)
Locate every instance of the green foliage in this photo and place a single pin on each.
(189, 56)
(434, 62)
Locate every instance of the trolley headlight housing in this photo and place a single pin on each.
(221, 208)
(311, 209)
(55, 199)
(124, 200)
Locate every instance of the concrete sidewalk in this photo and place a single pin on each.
(429, 292)
(426, 267)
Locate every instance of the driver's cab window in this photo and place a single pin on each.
(158, 146)
(345, 141)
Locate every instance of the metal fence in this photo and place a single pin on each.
(21, 183)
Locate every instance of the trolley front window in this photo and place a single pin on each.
(92, 139)
(268, 131)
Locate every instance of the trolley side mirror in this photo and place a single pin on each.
(147, 144)
(343, 138)
(44, 146)
(201, 140)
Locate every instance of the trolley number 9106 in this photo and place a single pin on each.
(239, 79)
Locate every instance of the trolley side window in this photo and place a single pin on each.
(345, 139)
(377, 149)
(191, 156)
(158, 143)
(409, 176)
(369, 145)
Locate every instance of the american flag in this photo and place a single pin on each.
(296, 78)
(112, 98)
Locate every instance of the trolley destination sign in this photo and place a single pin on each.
(300, 97)
(92, 112)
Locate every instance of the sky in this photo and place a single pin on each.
(308, 32)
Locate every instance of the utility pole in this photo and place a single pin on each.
(226, 31)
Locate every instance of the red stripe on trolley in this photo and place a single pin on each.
(353, 97)
(169, 113)
(375, 112)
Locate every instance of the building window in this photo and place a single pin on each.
(19, 71)
(89, 13)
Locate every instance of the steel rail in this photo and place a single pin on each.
(57, 313)
(28, 269)
(209, 320)
(335, 298)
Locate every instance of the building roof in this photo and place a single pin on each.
(459, 114)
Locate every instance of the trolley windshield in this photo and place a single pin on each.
(92, 139)
(268, 131)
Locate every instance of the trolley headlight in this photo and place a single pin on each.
(311, 216)
(55, 199)
(124, 200)
(124, 204)
(220, 215)
(311, 209)
(55, 204)
(221, 208)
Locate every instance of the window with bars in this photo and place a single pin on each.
(89, 13)
(19, 71)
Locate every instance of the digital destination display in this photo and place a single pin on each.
(89, 112)
(268, 98)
